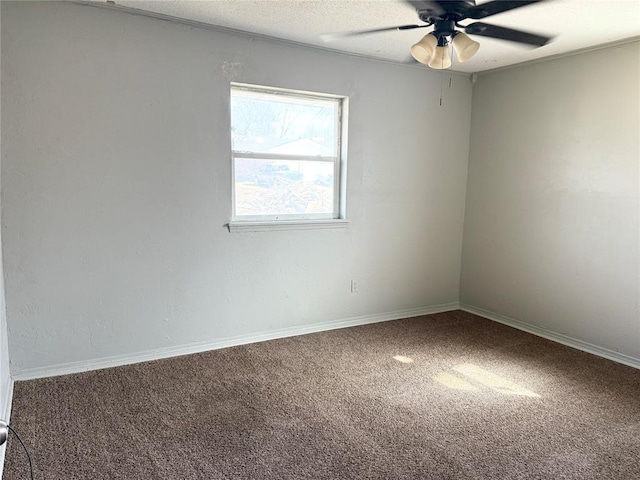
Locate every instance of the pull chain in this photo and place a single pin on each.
(442, 78)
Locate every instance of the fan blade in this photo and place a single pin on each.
(493, 31)
(328, 37)
(433, 8)
(497, 6)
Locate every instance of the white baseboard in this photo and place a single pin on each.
(556, 337)
(5, 414)
(156, 354)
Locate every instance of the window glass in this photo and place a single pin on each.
(286, 154)
(262, 122)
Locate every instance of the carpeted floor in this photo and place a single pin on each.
(446, 396)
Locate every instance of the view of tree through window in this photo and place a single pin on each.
(286, 154)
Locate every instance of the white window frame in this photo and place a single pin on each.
(337, 218)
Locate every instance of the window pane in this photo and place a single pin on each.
(272, 123)
(283, 187)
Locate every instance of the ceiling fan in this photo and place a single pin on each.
(445, 16)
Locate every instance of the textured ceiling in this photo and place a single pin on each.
(577, 24)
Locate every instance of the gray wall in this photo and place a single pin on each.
(6, 389)
(551, 229)
(117, 184)
(5, 378)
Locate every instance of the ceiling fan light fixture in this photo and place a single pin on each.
(441, 58)
(465, 47)
(423, 50)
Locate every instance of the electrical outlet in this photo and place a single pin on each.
(354, 286)
(4, 431)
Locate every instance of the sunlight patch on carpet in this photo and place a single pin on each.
(449, 380)
(484, 377)
(403, 359)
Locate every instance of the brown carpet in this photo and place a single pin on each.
(465, 398)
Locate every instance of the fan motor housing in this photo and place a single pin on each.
(454, 10)
(444, 28)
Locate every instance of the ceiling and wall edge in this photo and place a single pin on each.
(193, 23)
(233, 31)
(558, 56)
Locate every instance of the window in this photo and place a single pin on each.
(287, 150)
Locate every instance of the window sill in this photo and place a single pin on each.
(248, 226)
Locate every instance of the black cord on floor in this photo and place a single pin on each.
(25, 449)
